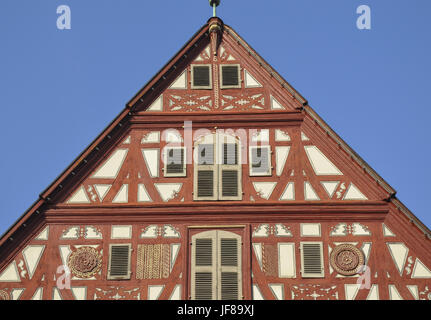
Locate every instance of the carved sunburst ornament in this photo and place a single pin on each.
(346, 259)
(85, 262)
(4, 295)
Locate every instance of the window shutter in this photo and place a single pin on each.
(229, 183)
(175, 162)
(260, 161)
(201, 77)
(230, 153)
(119, 262)
(230, 76)
(203, 269)
(205, 183)
(216, 266)
(206, 154)
(312, 260)
(230, 173)
(229, 266)
(205, 171)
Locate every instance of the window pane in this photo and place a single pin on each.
(175, 161)
(230, 76)
(260, 161)
(201, 76)
(230, 153)
(206, 154)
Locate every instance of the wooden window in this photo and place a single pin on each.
(216, 266)
(175, 162)
(217, 168)
(312, 260)
(205, 170)
(201, 77)
(230, 76)
(260, 161)
(229, 171)
(119, 261)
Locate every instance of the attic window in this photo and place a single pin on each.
(230, 76)
(175, 164)
(119, 261)
(201, 77)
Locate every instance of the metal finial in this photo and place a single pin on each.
(214, 4)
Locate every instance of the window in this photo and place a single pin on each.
(119, 261)
(175, 162)
(201, 77)
(312, 260)
(260, 161)
(217, 169)
(230, 76)
(216, 266)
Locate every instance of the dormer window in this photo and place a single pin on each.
(201, 77)
(230, 76)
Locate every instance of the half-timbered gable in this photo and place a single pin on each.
(217, 181)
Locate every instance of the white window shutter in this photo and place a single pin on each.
(205, 170)
(229, 261)
(203, 268)
(230, 172)
(312, 260)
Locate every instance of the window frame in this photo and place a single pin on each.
(229, 167)
(216, 269)
(129, 271)
(165, 158)
(221, 76)
(210, 86)
(204, 167)
(217, 167)
(250, 154)
(322, 261)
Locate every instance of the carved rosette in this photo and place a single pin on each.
(85, 262)
(346, 259)
(4, 295)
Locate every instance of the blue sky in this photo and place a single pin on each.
(60, 88)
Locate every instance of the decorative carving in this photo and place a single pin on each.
(343, 229)
(314, 292)
(4, 295)
(153, 261)
(265, 230)
(189, 102)
(346, 259)
(166, 231)
(117, 293)
(269, 260)
(243, 102)
(408, 267)
(341, 190)
(85, 262)
(71, 233)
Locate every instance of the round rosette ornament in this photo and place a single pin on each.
(85, 262)
(346, 259)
